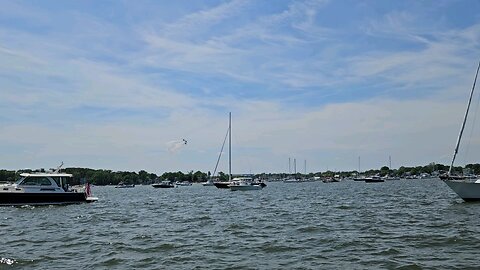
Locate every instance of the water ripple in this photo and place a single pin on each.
(347, 225)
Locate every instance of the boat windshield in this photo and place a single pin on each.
(35, 181)
(57, 180)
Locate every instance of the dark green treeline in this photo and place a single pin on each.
(108, 177)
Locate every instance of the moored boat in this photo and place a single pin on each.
(123, 185)
(466, 188)
(374, 179)
(245, 183)
(208, 183)
(44, 189)
(164, 184)
(184, 183)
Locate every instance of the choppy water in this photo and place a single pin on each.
(406, 224)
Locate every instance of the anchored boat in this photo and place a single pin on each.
(44, 189)
(466, 188)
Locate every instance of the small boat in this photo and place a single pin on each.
(164, 184)
(123, 185)
(245, 183)
(466, 188)
(291, 180)
(374, 179)
(209, 183)
(184, 183)
(44, 189)
(331, 180)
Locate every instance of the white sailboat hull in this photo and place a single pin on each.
(468, 191)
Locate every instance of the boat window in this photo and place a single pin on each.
(57, 180)
(36, 181)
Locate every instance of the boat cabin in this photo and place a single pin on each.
(53, 182)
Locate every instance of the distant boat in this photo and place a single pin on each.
(331, 180)
(467, 189)
(123, 185)
(245, 183)
(44, 189)
(291, 180)
(208, 183)
(374, 179)
(242, 183)
(183, 184)
(164, 184)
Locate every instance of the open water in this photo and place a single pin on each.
(405, 224)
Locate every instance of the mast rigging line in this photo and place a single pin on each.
(221, 151)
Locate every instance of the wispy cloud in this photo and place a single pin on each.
(110, 89)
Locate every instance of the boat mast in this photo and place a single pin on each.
(358, 164)
(464, 121)
(289, 167)
(295, 166)
(230, 147)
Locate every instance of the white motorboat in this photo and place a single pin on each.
(245, 183)
(123, 185)
(208, 183)
(44, 189)
(164, 184)
(184, 183)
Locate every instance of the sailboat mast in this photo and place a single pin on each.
(289, 167)
(464, 121)
(358, 164)
(230, 147)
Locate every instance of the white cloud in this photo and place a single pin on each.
(47, 82)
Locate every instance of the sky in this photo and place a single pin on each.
(117, 84)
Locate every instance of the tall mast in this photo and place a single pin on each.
(289, 166)
(464, 121)
(358, 164)
(230, 147)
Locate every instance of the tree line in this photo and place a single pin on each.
(108, 177)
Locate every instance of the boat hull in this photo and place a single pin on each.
(162, 186)
(14, 198)
(125, 186)
(374, 180)
(468, 191)
(245, 187)
(222, 184)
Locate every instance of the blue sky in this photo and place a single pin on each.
(110, 84)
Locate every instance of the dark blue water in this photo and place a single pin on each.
(406, 224)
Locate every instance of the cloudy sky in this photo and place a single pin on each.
(113, 84)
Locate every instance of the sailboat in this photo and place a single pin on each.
(222, 184)
(465, 188)
(240, 183)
